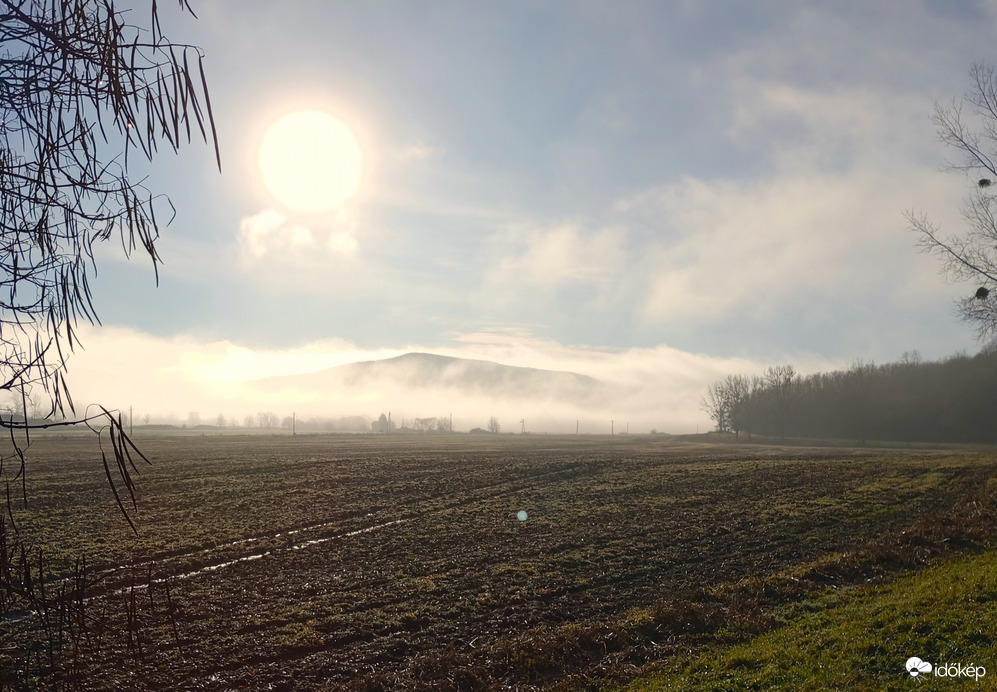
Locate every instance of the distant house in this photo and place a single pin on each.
(382, 424)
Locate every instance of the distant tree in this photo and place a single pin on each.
(443, 424)
(193, 419)
(287, 422)
(248, 421)
(268, 419)
(737, 389)
(726, 403)
(969, 126)
(716, 405)
(858, 385)
(493, 425)
(779, 380)
(425, 424)
(948, 401)
(221, 421)
(381, 424)
(911, 357)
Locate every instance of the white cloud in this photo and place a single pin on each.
(341, 243)
(294, 250)
(562, 254)
(417, 152)
(270, 232)
(759, 247)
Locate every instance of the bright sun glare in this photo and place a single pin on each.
(310, 161)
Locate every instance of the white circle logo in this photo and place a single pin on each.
(916, 666)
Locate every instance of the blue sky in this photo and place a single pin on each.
(723, 180)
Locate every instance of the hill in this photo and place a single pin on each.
(428, 371)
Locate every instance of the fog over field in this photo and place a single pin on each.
(511, 377)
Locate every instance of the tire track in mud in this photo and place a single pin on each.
(482, 493)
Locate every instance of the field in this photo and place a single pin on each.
(390, 562)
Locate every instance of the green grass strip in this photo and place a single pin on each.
(944, 614)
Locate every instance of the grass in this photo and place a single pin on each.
(860, 638)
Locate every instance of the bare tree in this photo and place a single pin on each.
(267, 419)
(725, 401)
(969, 126)
(443, 424)
(493, 425)
(744, 409)
(780, 381)
(736, 389)
(716, 405)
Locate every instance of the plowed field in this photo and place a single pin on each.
(338, 562)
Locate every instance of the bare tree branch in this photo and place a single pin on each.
(971, 255)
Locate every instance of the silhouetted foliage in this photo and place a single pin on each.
(80, 90)
(949, 401)
(83, 92)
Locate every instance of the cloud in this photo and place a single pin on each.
(270, 232)
(762, 246)
(417, 152)
(558, 255)
(817, 230)
(271, 235)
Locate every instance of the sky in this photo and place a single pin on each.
(663, 192)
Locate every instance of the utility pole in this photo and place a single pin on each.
(293, 420)
(576, 428)
(522, 423)
(611, 430)
(131, 421)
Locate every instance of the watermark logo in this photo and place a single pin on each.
(916, 666)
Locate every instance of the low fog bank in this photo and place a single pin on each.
(522, 382)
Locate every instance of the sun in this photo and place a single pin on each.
(310, 161)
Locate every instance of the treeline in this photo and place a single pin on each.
(954, 400)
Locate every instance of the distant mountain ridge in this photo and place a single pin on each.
(433, 371)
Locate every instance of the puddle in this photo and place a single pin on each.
(257, 556)
(19, 615)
